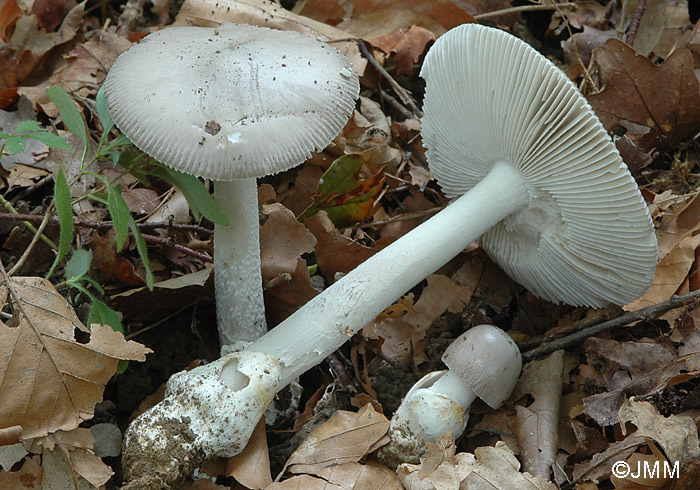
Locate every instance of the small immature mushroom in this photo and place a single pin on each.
(230, 104)
(543, 183)
(483, 362)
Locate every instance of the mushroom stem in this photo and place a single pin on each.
(331, 318)
(240, 311)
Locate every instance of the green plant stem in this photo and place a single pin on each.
(7, 205)
(39, 233)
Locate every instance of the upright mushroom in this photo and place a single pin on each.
(230, 104)
(543, 181)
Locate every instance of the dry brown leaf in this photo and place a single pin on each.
(43, 366)
(643, 479)
(304, 482)
(657, 116)
(538, 423)
(334, 11)
(628, 368)
(356, 476)
(251, 468)
(600, 465)
(69, 454)
(344, 438)
(651, 26)
(408, 45)
(676, 434)
(29, 476)
(28, 46)
(282, 241)
(404, 335)
(264, 13)
(335, 252)
(489, 468)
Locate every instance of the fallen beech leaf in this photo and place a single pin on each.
(538, 423)
(676, 434)
(600, 464)
(251, 468)
(657, 116)
(344, 438)
(48, 381)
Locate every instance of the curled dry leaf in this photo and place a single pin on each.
(408, 45)
(49, 381)
(538, 423)
(345, 437)
(251, 468)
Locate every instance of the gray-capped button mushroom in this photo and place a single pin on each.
(230, 104)
(483, 362)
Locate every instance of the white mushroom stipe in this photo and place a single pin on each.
(230, 104)
(208, 411)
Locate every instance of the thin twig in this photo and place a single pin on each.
(106, 225)
(166, 242)
(586, 74)
(523, 8)
(648, 313)
(35, 239)
(396, 105)
(636, 20)
(159, 322)
(400, 91)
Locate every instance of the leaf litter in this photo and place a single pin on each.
(632, 394)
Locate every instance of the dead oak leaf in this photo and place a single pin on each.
(407, 44)
(656, 115)
(49, 381)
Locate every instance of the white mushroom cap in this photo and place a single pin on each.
(586, 237)
(487, 360)
(230, 102)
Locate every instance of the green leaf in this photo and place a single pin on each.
(143, 251)
(120, 214)
(199, 199)
(62, 202)
(78, 265)
(49, 139)
(70, 114)
(15, 144)
(103, 112)
(26, 126)
(341, 175)
(103, 314)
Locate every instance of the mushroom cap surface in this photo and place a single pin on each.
(487, 360)
(586, 237)
(230, 102)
